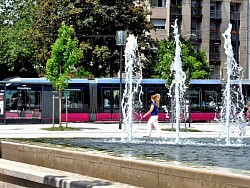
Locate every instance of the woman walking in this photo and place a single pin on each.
(153, 120)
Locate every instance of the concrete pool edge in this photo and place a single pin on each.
(134, 172)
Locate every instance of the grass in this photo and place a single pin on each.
(181, 130)
(61, 128)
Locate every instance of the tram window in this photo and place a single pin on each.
(147, 98)
(23, 103)
(106, 98)
(210, 99)
(74, 99)
(116, 97)
(195, 99)
(165, 104)
(109, 100)
(1, 104)
(246, 92)
(138, 100)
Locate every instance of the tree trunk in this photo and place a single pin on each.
(60, 107)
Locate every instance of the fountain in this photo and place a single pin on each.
(187, 150)
(194, 152)
(177, 87)
(171, 159)
(131, 99)
(233, 99)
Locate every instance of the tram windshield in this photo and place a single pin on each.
(23, 104)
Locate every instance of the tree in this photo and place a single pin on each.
(65, 54)
(17, 51)
(194, 61)
(95, 23)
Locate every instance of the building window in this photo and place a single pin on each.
(214, 48)
(159, 24)
(233, 7)
(159, 3)
(194, 26)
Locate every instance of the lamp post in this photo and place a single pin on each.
(237, 42)
(121, 37)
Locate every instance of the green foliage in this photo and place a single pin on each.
(65, 54)
(81, 73)
(194, 61)
(17, 51)
(95, 23)
(28, 30)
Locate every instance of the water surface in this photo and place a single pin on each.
(203, 153)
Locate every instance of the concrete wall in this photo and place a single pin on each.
(135, 172)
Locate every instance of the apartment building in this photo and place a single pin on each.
(205, 21)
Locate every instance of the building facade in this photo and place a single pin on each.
(205, 21)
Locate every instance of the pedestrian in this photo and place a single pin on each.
(153, 111)
(248, 112)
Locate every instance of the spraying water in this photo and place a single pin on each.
(233, 99)
(132, 94)
(177, 87)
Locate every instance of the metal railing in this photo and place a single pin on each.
(215, 14)
(175, 10)
(215, 35)
(196, 34)
(196, 11)
(234, 15)
(235, 37)
(214, 56)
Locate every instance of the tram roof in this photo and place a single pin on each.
(243, 81)
(41, 80)
(203, 81)
(117, 80)
(44, 80)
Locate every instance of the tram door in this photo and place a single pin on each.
(246, 93)
(2, 105)
(195, 100)
(110, 101)
(93, 100)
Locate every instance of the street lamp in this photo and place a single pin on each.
(121, 37)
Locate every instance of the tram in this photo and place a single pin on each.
(33, 100)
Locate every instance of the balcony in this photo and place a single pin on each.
(234, 35)
(196, 36)
(196, 12)
(171, 30)
(235, 42)
(159, 34)
(215, 37)
(214, 58)
(215, 15)
(175, 11)
(234, 15)
(196, 33)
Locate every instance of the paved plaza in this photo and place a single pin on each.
(23, 164)
(101, 130)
